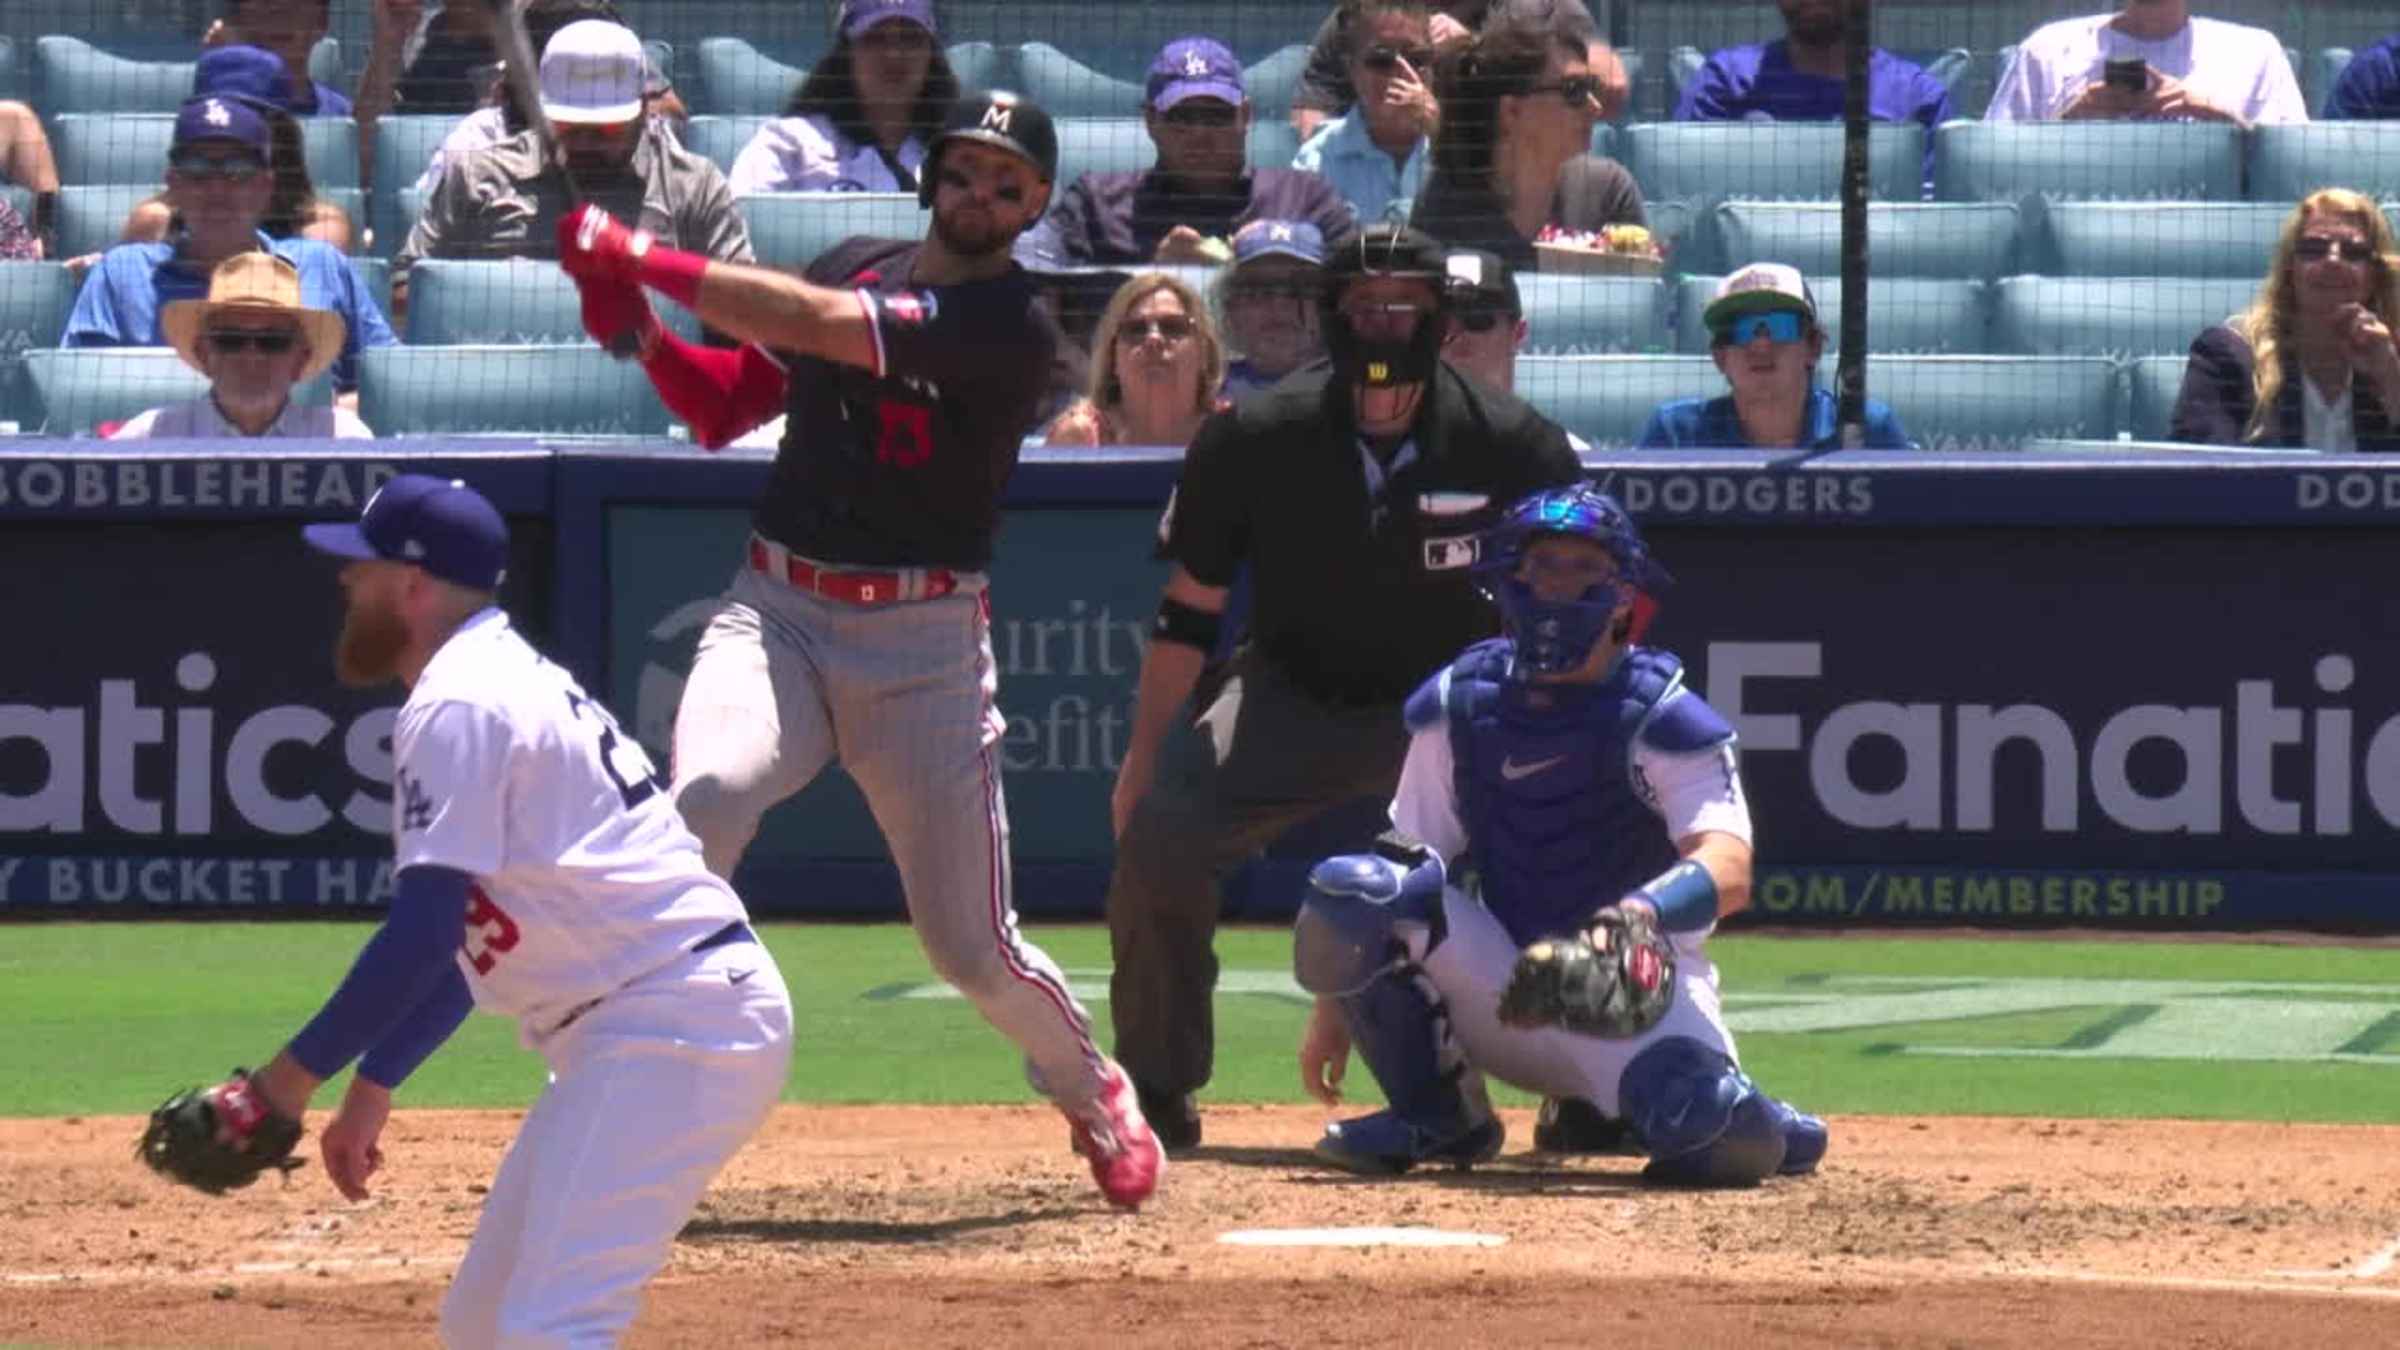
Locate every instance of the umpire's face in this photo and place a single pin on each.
(984, 197)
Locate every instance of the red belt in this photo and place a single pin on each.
(852, 587)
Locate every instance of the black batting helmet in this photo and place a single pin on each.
(1017, 125)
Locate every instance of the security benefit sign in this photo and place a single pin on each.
(171, 731)
(2152, 728)
(1071, 596)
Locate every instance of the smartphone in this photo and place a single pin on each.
(2131, 76)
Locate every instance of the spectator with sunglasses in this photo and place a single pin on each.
(1765, 338)
(1326, 87)
(254, 340)
(1269, 299)
(263, 80)
(1156, 365)
(1183, 208)
(1513, 156)
(219, 184)
(1375, 154)
(2312, 364)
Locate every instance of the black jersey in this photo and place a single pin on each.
(903, 466)
(1359, 589)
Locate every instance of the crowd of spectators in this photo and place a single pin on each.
(1473, 121)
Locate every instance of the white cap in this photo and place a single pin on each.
(592, 73)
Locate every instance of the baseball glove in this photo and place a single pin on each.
(1614, 980)
(218, 1139)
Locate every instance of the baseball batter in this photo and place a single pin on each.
(1557, 764)
(543, 873)
(858, 626)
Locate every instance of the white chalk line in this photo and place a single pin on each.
(2199, 1283)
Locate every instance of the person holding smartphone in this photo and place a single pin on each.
(2152, 61)
(1375, 154)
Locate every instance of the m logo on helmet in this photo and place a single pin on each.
(996, 117)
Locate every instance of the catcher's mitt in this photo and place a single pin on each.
(218, 1139)
(1615, 979)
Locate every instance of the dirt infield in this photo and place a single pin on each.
(891, 1226)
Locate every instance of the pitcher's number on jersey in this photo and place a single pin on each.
(628, 765)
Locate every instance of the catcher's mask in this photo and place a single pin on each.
(1555, 636)
(1383, 251)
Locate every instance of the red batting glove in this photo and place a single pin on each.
(595, 246)
(619, 317)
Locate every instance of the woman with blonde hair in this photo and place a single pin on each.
(1157, 361)
(2312, 364)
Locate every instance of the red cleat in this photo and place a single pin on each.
(1126, 1157)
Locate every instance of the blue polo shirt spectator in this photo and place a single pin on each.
(1766, 341)
(2370, 85)
(1379, 188)
(1713, 424)
(1375, 154)
(1761, 83)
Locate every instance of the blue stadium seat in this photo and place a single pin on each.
(75, 390)
(1272, 142)
(75, 76)
(512, 302)
(1272, 81)
(404, 145)
(34, 300)
(1102, 145)
(326, 64)
(1688, 234)
(1975, 240)
(481, 390)
(1607, 139)
(2320, 74)
(719, 139)
(1583, 315)
(2111, 316)
(2097, 161)
(1906, 315)
(2153, 383)
(788, 229)
(736, 76)
(1997, 402)
(1606, 399)
(2290, 162)
(132, 148)
(1711, 161)
(12, 73)
(1066, 87)
(2175, 239)
(91, 216)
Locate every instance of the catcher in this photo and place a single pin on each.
(1569, 826)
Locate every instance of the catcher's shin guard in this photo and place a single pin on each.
(1704, 1121)
(1438, 1111)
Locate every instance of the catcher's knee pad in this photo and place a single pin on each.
(1344, 937)
(1704, 1122)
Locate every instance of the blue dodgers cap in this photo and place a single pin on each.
(222, 119)
(439, 524)
(858, 16)
(252, 74)
(1194, 67)
(1287, 238)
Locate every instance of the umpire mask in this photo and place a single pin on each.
(1375, 362)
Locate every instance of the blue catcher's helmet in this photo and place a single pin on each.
(1554, 637)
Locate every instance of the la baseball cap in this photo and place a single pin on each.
(857, 16)
(593, 74)
(439, 524)
(253, 74)
(1483, 280)
(1194, 67)
(221, 119)
(1279, 238)
(1760, 288)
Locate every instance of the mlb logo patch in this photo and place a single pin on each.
(909, 309)
(1452, 553)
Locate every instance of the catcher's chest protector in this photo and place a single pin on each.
(1545, 788)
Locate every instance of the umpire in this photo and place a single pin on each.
(1354, 491)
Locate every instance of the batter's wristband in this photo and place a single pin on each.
(671, 272)
(1685, 897)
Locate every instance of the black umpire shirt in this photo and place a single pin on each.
(903, 466)
(1358, 594)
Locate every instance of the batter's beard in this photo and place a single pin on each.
(367, 654)
(973, 244)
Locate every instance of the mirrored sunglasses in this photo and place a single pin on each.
(234, 340)
(1782, 325)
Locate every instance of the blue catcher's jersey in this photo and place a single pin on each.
(1558, 819)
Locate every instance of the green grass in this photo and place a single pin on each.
(108, 1018)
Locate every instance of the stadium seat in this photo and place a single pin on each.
(1911, 315)
(75, 76)
(1582, 315)
(788, 229)
(1997, 402)
(2100, 161)
(511, 302)
(1066, 87)
(2173, 239)
(2290, 162)
(1272, 143)
(1975, 240)
(132, 148)
(719, 139)
(91, 216)
(480, 390)
(2321, 73)
(1102, 145)
(326, 64)
(1272, 81)
(736, 76)
(75, 390)
(1688, 234)
(404, 145)
(374, 277)
(2111, 316)
(12, 72)
(1711, 161)
(34, 300)
(2153, 384)
(1606, 399)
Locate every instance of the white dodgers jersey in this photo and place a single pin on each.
(585, 876)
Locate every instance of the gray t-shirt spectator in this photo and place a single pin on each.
(1593, 191)
(1325, 84)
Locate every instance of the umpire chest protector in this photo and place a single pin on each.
(1546, 786)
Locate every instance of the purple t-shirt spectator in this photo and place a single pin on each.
(1759, 83)
(1121, 217)
(2370, 85)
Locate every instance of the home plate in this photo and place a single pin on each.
(1357, 1237)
